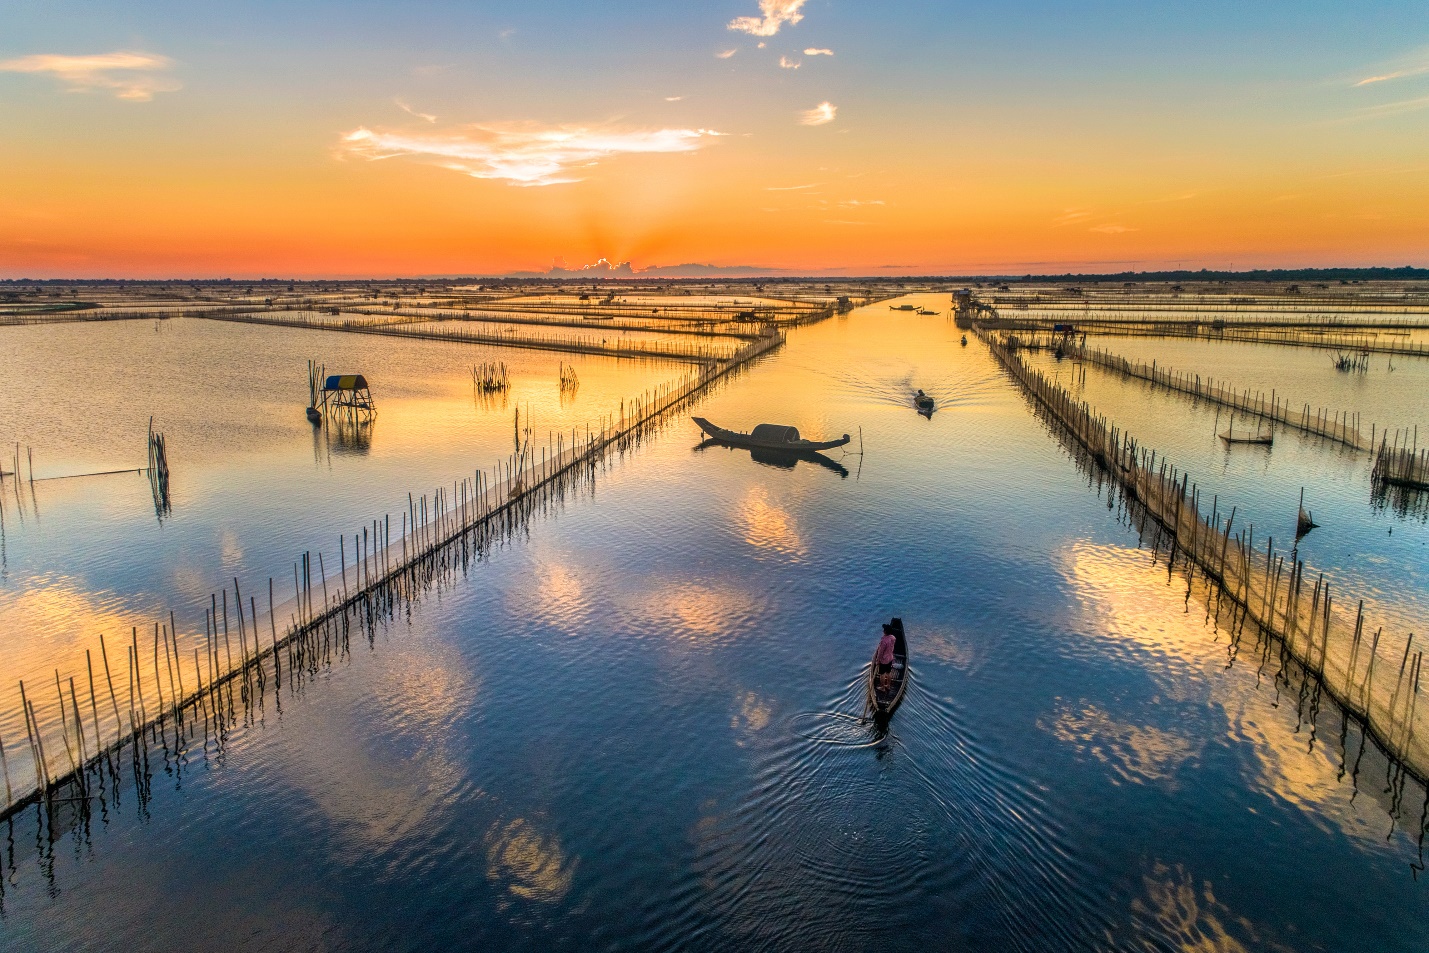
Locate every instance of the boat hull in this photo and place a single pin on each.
(737, 439)
(884, 703)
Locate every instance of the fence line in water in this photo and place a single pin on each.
(1326, 336)
(1367, 676)
(1339, 426)
(578, 345)
(68, 744)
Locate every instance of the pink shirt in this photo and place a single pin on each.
(885, 650)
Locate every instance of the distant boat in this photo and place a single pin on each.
(923, 402)
(769, 437)
(902, 307)
(926, 311)
(314, 415)
(965, 340)
(884, 703)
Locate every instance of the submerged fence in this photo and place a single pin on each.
(71, 739)
(1373, 677)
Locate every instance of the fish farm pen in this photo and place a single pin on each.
(1373, 677)
(72, 739)
(1340, 426)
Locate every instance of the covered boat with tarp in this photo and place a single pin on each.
(769, 437)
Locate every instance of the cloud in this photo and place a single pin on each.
(521, 153)
(776, 13)
(789, 188)
(1393, 109)
(820, 115)
(1070, 216)
(786, 63)
(1397, 74)
(1112, 229)
(725, 54)
(815, 51)
(673, 99)
(855, 203)
(506, 34)
(408, 109)
(130, 74)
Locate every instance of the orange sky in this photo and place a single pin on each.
(881, 145)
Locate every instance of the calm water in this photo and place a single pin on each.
(253, 483)
(636, 727)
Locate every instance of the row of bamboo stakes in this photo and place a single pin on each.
(1295, 335)
(1375, 679)
(1340, 426)
(68, 743)
(1403, 463)
(611, 347)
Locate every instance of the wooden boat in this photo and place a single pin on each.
(314, 415)
(965, 340)
(769, 437)
(902, 307)
(884, 703)
(926, 311)
(923, 402)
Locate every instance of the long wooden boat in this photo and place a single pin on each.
(923, 402)
(884, 703)
(769, 437)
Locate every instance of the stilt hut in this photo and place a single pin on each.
(348, 395)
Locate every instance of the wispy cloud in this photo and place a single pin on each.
(1112, 229)
(130, 74)
(776, 13)
(1396, 74)
(790, 188)
(521, 153)
(815, 51)
(855, 203)
(1394, 109)
(506, 34)
(1070, 216)
(786, 63)
(673, 99)
(725, 54)
(820, 115)
(408, 109)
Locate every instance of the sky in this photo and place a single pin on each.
(316, 139)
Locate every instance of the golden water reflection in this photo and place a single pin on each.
(1137, 753)
(529, 863)
(769, 527)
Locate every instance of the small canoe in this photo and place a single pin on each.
(925, 311)
(884, 703)
(769, 437)
(314, 415)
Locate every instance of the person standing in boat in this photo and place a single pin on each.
(883, 658)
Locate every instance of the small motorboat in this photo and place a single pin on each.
(769, 437)
(883, 703)
(923, 402)
(314, 415)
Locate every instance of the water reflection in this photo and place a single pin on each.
(529, 863)
(779, 459)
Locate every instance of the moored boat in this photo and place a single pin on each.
(769, 437)
(884, 702)
(314, 415)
